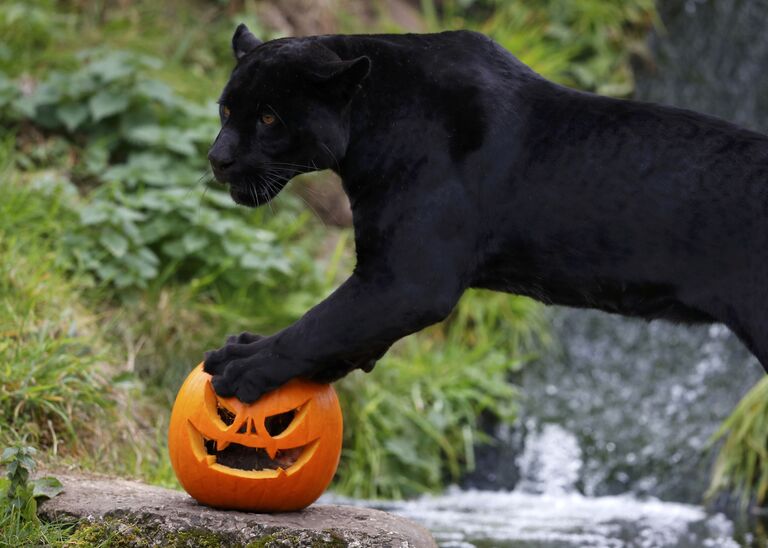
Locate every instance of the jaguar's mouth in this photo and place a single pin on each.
(257, 190)
(250, 195)
(242, 457)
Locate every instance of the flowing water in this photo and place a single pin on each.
(546, 510)
(612, 450)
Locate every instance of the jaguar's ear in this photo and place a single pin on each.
(344, 75)
(243, 41)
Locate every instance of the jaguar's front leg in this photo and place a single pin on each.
(414, 261)
(350, 329)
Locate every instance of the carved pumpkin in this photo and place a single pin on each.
(276, 454)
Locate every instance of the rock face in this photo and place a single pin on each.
(134, 514)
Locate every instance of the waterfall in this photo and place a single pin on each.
(550, 463)
(642, 398)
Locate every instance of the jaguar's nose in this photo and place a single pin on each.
(218, 162)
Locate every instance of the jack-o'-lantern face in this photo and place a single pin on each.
(276, 454)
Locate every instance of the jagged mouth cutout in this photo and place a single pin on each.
(233, 442)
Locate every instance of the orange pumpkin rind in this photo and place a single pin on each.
(289, 468)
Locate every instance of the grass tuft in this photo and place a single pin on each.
(742, 462)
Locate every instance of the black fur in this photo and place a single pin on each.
(466, 169)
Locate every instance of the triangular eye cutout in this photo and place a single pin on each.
(226, 416)
(277, 424)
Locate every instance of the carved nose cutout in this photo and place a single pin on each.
(277, 424)
(248, 426)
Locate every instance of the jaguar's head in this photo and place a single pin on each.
(284, 111)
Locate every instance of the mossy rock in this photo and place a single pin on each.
(125, 514)
(125, 533)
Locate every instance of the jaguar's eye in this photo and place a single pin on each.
(267, 119)
(224, 112)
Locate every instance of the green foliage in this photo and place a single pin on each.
(149, 217)
(27, 29)
(412, 423)
(59, 388)
(19, 524)
(585, 44)
(19, 463)
(742, 462)
(21, 492)
(50, 385)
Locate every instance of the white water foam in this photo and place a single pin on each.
(550, 463)
(513, 519)
(546, 511)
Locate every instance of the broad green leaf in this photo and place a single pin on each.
(115, 243)
(154, 201)
(27, 462)
(96, 157)
(156, 229)
(106, 271)
(193, 242)
(125, 279)
(91, 215)
(234, 249)
(47, 487)
(110, 68)
(180, 144)
(72, 115)
(220, 199)
(106, 103)
(157, 91)
(11, 468)
(253, 261)
(26, 106)
(146, 269)
(147, 134)
(174, 249)
(9, 453)
(148, 256)
(127, 214)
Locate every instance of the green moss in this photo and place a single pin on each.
(103, 534)
(262, 542)
(328, 539)
(126, 533)
(198, 537)
(335, 541)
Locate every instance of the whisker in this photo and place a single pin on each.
(276, 185)
(312, 209)
(333, 157)
(253, 193)
(312, 191)
(206, 173)
(282, 180)
(286, 164)
(278, 174)
(271, 190)
(202, 199)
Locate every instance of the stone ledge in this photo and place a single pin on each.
(135, 514)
